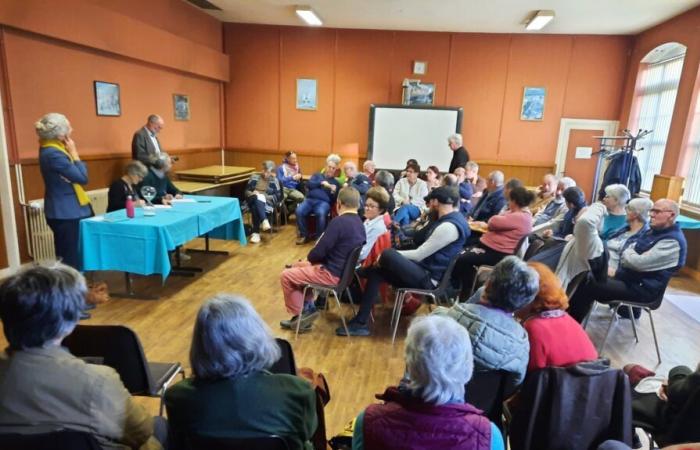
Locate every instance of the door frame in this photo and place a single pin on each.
(566, 125)
(7, 204)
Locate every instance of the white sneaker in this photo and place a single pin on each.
(265, 225)
(255, 238)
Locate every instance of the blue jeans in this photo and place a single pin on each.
(257, 211)
(309, 206)
(406, 214)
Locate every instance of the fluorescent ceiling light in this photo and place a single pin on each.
(309, 16)
(540, 20)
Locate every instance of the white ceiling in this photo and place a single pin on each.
(489, 16)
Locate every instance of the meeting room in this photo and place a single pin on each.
(350, 224)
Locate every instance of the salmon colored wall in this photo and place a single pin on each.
(46, 75)
(684, 29)
(484, 73)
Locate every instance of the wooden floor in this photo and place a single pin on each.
(356, 368)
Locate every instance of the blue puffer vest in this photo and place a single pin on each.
(437, 263)
(650, 285)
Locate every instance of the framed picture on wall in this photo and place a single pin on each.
(418, 93)
(181, 106)
(306, 94)
(533, 103)
(107, 101)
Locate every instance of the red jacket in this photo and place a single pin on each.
(557, 342)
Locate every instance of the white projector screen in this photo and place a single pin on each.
(397, 133)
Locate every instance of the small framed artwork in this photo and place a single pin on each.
(306, 94)
(107, 101)
(420, 67)
(181, 106)
(533, 104)
(419, 93)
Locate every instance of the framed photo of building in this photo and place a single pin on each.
(181, 106)
(533, 103)
(306, 94)
(415, 92)
(107, 101)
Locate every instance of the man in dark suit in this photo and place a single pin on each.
(145, 146)
(492, 200)
(460, 157)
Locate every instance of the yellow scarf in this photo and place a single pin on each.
(83, 198)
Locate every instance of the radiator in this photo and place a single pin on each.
(39, 235)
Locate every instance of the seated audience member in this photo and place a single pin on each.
(335, 159)
(325, 262)
(356, 179)
(498, 340)
(429, 411)
(472, 174)
(369, 169)
(385, 179)
(413, 235)
(492, 199)
(322, 192)
(157, 177)
(466, 191)
(637, 223)
(574, 201)
(432, 177)
(421, 268)
(375, 207)
(126, 186)
(663, 411)
(262, 194)
(545, 193)
(504, 233)
(450, 180)
(616, 197)
(409, 194)
(555, 338)
(410, 162)
(509, 186)
(645, 265)
(45, 388)
(232, 394)
(460, 156)
(289, 175)
(553, 212)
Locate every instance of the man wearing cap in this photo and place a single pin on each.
(421, 268)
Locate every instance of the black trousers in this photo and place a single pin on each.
(66, 233)
(607, 291)
(396, 270)
(465, 268)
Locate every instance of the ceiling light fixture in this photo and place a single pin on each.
(540, 20)
(309, 16)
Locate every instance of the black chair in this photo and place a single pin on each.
(55, 440)
(483, 270)
(338, 289)
(252, 443)
(286, 363)
(119, 347)
(487, 391)
(440, 292)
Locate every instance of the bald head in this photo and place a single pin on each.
(663, 214)
(155, 123)
(350, 169)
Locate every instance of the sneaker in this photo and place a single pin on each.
(255, 238)
(291, 324)
(354, 328)
(184, 256)
(302, 240)
(265, 225)
(309, 315)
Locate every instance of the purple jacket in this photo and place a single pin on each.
(407, 423)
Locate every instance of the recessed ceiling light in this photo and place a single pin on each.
(309, 16)
(540, 20)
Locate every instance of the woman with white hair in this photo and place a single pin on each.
(615, 200)
(429, 411)
(65, 201)
(637, 221)
(125, 187)
(262, 193)
(232, 394)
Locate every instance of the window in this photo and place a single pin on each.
(692, 184)
(656, 98)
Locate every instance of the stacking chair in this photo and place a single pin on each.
(440, 292)
(616, 305)
(119, 347)
(251, 443)
(487, 391)
(56, 440)
(286, 363)
(338, 289)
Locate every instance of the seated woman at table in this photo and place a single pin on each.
(126, 186)
(262, 193)
(157, 177)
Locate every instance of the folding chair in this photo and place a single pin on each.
(286, 363)
(119, 347)
(337, 289)
(439, 292)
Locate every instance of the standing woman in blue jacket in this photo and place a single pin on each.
(64, 174)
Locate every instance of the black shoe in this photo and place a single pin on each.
(354, 329)
(84, 315)
(320, 302)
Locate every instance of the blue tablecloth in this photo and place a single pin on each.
(141, 245)
(688, 223)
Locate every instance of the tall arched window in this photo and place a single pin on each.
(655, 97)
(692, 184)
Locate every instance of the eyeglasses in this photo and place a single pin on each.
(659, 211)
(371, 206)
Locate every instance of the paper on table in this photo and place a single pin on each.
(162, 206)
(97, 218)
(261, 197)
(183, 200)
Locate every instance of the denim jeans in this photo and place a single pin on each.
(309, 206)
